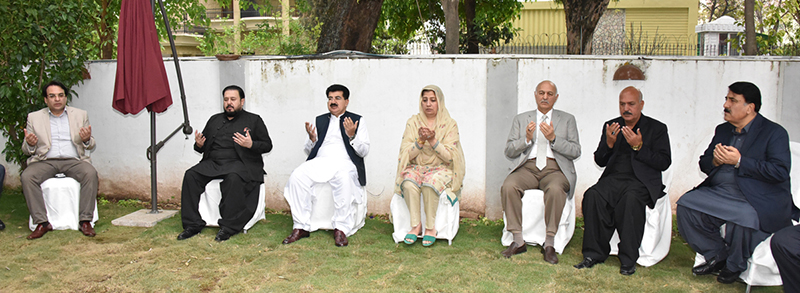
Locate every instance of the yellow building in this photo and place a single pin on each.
(651, 27)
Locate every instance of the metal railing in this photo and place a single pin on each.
(557, 44)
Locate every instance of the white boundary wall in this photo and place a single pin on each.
(686, 94)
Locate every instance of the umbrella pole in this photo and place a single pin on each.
(153, 169)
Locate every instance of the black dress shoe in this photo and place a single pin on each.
(189, 233)
(2, 225)
(223, 235)
(627, 270)
(339, 238)
(515, 248)
(709, 267)
(587, 262)
(297, 234)
(726, 276)
(550, 255)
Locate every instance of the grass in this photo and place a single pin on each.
(128, 259)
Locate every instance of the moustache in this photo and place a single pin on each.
(545, 102)
(727, 110)
(334, 104)
(627, 113)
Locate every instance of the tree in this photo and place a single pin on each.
(713, 9)
(749, 28)
(40, 40)
(582, 17)
(347, 24)
(481, 22)
(451, 25)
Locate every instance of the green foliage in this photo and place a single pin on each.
(403, 19)
(40, 41)
(266, 39)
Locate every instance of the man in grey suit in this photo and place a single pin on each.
(543, 143)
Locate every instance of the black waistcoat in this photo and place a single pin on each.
(322, 129)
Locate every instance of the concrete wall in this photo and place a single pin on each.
(483, 93)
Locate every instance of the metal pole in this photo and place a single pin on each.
(153, 169)
(186, 129)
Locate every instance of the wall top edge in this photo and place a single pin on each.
(497, 56)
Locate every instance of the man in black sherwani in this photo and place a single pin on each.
(232, 143)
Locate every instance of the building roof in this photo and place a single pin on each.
(725, 24)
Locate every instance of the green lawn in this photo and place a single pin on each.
(126, 259)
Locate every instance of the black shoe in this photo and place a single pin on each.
(709, 267)
(189, 233)
(726, 276)
(2, 226)
(587, 262)
(627, 270)
(223, 235)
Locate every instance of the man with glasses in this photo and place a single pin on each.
(56, 139)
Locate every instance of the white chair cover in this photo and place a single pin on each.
(533, 226)
(62, 198)
(209, 205)
(447, 218)
(322, 209)
(761, 267)
(657, 230)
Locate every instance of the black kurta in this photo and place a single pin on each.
(241, 169)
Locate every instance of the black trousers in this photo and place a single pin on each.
(786, 251)
(614, 203)
(237, 206)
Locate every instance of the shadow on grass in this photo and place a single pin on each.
(128, 259)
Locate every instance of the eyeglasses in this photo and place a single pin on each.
(60, 95)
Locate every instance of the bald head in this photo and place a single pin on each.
(630, 105)
(546, 96)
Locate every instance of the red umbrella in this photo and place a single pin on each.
(141, 78)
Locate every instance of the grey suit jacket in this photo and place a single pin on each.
(566, 148)
(39, 124)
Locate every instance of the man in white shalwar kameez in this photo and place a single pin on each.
(336, 148)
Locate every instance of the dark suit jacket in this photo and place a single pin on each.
(763, 173)
(250, 157)
(653, 158)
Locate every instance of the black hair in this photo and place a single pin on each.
(234, 87)
(56, 83)
(749, 91)
(338, 88)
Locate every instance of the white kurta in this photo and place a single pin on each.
(331, 165)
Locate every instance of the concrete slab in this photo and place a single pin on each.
(143, 218)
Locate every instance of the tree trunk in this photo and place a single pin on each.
(106, 32)
(469, 14)
(347, 24)
(451, 26)
(582, 17)
(750, 48)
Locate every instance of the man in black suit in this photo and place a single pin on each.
(785, 247)
(747, 188)
(632, 180)
(232, 143)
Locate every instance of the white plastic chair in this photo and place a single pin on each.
(323, 208)
(62, 196)
(761, 267)
(657, 230)
(447, 218)
(209, 205)
(533, 225)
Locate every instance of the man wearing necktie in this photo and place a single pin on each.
(542, 143)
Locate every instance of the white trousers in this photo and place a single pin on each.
(347, 192)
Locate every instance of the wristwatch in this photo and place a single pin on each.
(637, 147)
